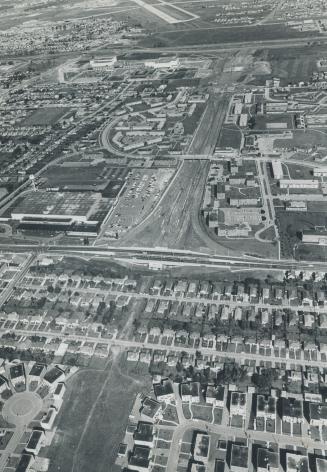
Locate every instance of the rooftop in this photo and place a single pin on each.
(239, 456)
(144, 432)
(296, 463)
(48, 204)
(202, 444)
(140, 456)
(265, 458)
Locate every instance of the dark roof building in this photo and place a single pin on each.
(239, 458)
(25, 463)
(140, 459)
(143, 435)
(267, 460)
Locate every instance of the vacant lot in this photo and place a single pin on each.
(93, 419)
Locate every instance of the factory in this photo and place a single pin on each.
(104, 63)
(277, 170)
(163, 63)
(299, 184)
(315, 237)
(57, 207)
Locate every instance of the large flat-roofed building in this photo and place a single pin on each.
(266, 406)
(238, 403)
(103, 63)
(296, 463)
(143, 435)
(321, 464)
(25, 463)
(315, 236)
(140, 459)
(277, 170)
(163, 63)
(267, 461)
(35, 442)
(53, 376)
(310, 184)
(239, 458)
(292, 410)
(320, 172)
(318, 414)
(201, 448)
(17, 374)
(57, 207)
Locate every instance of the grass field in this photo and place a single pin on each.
(191, 36)
(230, 136)
(304, 139)
(93, 418)
(45, 116)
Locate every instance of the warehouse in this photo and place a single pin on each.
(103, 63)
(315, 237)
(299, 183)
(57, 207)
(277, 170)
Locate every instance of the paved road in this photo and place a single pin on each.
(228, 431)
(132, 344)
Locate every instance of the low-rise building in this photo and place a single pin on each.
(296, 462)
(201, 448)
(164, 391)
(266, 406)
(35, 442)
(267, 461)
(318, 414)
(143, 435)
(238, 403)
(239, 458)
(292, 410)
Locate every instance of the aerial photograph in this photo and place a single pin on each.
(163, 235)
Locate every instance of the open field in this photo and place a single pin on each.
(304, 139)
(230, 136)
(291, 224)
(196, 36)
(93, 418)
(45, 116)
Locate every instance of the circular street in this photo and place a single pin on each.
(22, 408)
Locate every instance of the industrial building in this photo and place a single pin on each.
(163, 63)
(277, 170)
(104, 63)
(57, 207)
(315, 237)
(299, 184)
(320, 172)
